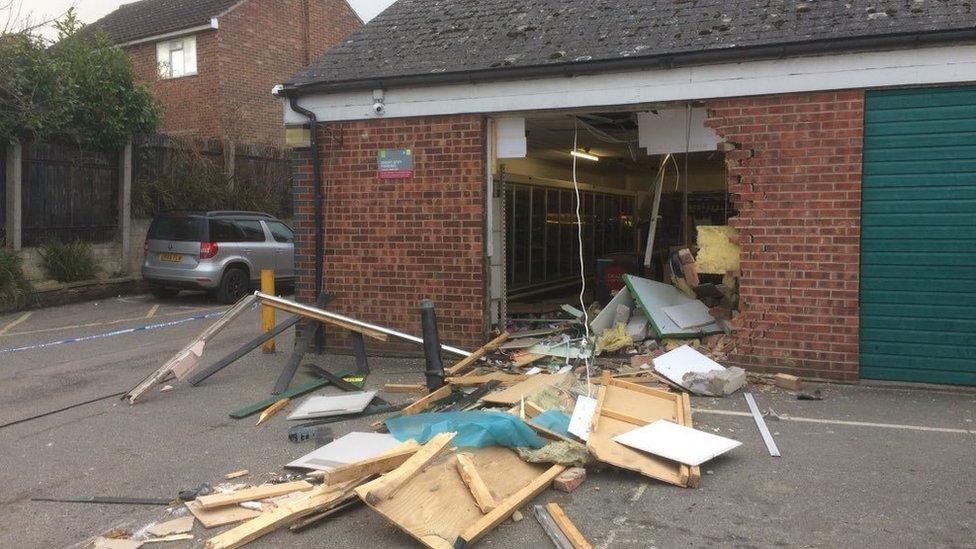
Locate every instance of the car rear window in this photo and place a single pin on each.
(182, 229)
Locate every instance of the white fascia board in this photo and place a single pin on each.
(212, 25)
(905, 67)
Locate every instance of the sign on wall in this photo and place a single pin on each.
(394, 163)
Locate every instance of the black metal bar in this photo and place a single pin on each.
(359, 351)
(308, 331)
(109, 500)
(338, 381)
(198, 377)
(432, 345)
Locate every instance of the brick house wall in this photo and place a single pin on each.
(259, 44)
(391, 243)
(189, 103)
(795, 178)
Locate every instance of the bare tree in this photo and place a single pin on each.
(15, 20)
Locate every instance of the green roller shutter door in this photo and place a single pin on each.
(918, 236)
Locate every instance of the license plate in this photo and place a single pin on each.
(175, 258)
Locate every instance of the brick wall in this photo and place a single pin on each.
(261, 44)
(390, 243)
(188, 102)
(796, 181)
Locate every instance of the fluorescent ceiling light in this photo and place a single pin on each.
(584, 155)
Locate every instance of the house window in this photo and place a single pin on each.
(177, 58)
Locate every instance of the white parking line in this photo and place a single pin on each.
(22, 318)
(843, 422)
(152, 311)
(106, 323)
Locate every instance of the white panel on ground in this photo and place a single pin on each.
(324, 406)
(350, 448)
(510, 137)
(677, 442)
(665, 131)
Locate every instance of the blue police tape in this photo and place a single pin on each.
(144, 328)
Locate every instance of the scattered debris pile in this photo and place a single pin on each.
(528, 410)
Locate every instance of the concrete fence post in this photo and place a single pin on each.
(14, 195)
(125, 205)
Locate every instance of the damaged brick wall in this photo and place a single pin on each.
(795, 178)
(390, 243)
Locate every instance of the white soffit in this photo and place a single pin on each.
(934, 65)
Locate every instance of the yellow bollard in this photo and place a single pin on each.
(267, 313)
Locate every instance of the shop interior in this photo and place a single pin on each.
(621, 159)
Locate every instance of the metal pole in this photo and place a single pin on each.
(267, 313)
(432, 345)
(300, 307)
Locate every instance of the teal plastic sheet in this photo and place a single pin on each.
(553, 420)
(476, 429)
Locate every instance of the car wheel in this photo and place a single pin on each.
(164, 293)
(233, 286)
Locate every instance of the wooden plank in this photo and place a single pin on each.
(236, 474)
(271, 410)
(568, 528)
(380, 464)
(322, 498)
(253, 494)
(422, 403)
(405, 388)
(211, 518)
(380, 336)
(435, 506)
(470, 381)
(526, 358)
(386, 486)
(516, 392)
(469, 474)
(469, 360)
(163, 371)
(508, 506)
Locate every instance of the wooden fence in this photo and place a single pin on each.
(69, 194)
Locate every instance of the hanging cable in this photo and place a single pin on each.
(579, 237)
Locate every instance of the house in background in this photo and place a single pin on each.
(213, 63)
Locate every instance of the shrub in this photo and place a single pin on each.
(14, 287)
(69, 261)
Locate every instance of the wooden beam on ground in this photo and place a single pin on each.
(508, 506)
(383, 463)
(288, 307)
(469, 474)
(422, 403)
(384, 487)
(568, 528)
(253, 494)
(468, 361)
(405, 388)
(272, 410)
(321, 499)
(471, 381)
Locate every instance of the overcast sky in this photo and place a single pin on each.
(90, 10)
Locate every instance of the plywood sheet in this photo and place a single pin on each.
(623, 407)
(436, 506)
(516, 392)
(677, 442)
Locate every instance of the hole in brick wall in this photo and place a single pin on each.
(542, 266)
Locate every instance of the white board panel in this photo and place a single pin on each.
(329, 405)
(677, 442)
(665, 131)
(350, 448)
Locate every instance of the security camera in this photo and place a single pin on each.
(379, 109)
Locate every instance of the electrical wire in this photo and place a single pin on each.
(579, 237)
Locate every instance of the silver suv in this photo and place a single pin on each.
(222, 252)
